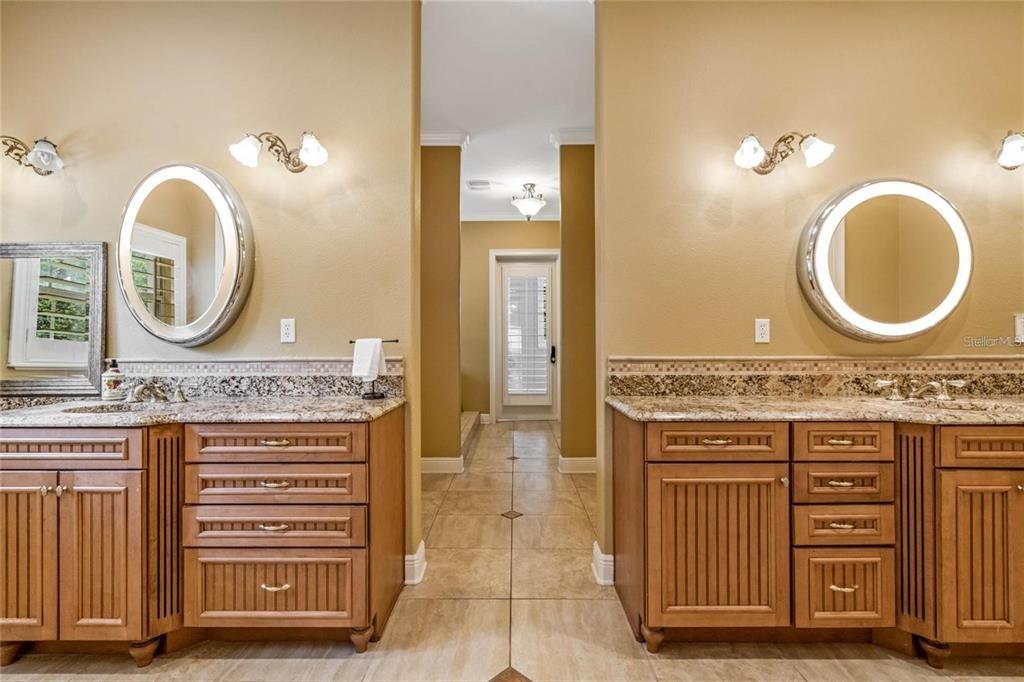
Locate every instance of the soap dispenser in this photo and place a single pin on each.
(113, 382)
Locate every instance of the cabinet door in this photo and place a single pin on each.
(717, 545)
(101, 555)
(981, 556)
(28, 564)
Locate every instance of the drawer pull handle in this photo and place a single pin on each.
(283, 443)
(274, 528)
(841, 526)
(845, 590)
(840, 442)
(841, 484)
(275, 588)
(717, 442)
(276, 484)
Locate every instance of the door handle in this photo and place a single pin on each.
(554, 355)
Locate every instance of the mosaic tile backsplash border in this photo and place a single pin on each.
(246, 378)
(807, 377)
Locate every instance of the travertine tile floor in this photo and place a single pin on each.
(517, 593)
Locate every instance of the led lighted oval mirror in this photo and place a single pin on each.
(185, 254)
(886, 260)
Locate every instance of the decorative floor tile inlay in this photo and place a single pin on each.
(510, 674)
(511, 514)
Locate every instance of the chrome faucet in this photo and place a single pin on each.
(940, 388)
(151, 391)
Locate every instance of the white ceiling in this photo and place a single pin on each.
(508, 74)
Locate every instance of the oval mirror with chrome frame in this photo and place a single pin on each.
(185, 254)
(885, 260)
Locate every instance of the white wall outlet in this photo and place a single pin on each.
(287, 330)
(762, 331)
(1018, 328)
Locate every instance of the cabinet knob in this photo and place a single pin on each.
(275, 588)
(785, 481)
(44, 489)
(61, 489)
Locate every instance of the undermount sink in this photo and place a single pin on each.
(112, 409)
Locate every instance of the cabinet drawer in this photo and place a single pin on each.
(714, 442)
(844, 524)
(267, 525)
(844, 588)
(275, 588)
(843, 441)
(275, 483)
(982, 446)
(275, 443)
(843, 482)
(51, 449)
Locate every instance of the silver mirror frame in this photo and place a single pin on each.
(816, 280)
(90, 383)
(239, 256)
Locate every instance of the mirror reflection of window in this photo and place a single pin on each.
(49, 315)
(899, 259)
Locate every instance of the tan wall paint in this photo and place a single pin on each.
(134, 86)
(478, 238)
(439, 300)
(578, 351)
(692, 249)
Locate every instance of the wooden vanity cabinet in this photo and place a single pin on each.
(90, 525)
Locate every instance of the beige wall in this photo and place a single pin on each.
(692, 249)
(124, 88)
(578, 347)
(478, 238)
(439, 300)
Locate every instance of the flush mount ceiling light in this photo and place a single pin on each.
(42, 157)
(1011, 155)
(752, 156)
(311, 153)
(530, 203)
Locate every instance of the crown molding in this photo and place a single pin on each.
(456, 139)
(567, 136)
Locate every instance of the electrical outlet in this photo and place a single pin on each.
(1018, 328)
(762, 331)
(287, 330)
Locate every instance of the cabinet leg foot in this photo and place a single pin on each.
(935, 653)
(143, 652)
(654, 637)
(9, 652)
(360, 638)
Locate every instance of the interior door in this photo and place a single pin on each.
(527, 347)
(28, 564)
(101, 555)
(718, 545)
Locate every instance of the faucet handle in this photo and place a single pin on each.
(946, 384)
(894, 388)
(179, 395)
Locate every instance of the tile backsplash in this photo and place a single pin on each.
(811, 377)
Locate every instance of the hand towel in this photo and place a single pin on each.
(368, 359)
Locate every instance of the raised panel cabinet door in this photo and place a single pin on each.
(28, 564)
(981, 556)
(101, 555)
(717, 545)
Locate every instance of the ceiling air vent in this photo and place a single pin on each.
(479, 185)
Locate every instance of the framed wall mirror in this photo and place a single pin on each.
(885, 260)
(185, 254)
(53, 318)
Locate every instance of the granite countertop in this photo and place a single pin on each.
(202, 411)
(748, 408)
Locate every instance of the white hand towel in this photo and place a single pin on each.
(368, 359)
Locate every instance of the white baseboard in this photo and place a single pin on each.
(485, 418)
(442, 465)
(416, 565)
(603, 566)
(577, 465)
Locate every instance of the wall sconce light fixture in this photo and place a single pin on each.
(751, 155)
(1011, 155)
(530, 203)
(310, 153)
(42, 157)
